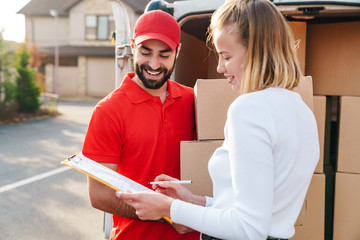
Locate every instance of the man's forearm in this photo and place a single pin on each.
(122, 209)
(103, 198)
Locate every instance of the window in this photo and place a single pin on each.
(99, 27)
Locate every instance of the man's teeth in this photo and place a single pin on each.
(153, 72)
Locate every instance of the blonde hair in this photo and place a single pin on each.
(271, 58)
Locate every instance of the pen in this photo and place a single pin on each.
(177, 181)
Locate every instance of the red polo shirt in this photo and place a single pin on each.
(142, 135)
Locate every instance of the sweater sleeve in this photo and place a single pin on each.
(209, 201)
(251, 138)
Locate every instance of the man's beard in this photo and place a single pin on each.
(149, 83)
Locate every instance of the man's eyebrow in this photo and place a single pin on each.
(146, 48)
(166, 50)
(150, 50)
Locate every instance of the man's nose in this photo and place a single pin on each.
(154, 63)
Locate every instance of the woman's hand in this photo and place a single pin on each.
(151, 206)
(176, 190)
(155, 205)
(148, 205)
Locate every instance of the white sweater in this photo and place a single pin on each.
(262, 171)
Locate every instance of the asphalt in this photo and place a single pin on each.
(40, 198)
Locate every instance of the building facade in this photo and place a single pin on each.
(74, 40)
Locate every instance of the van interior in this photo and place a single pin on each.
(329, 47)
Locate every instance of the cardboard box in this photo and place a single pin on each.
(299, 32)
(320, 115)
(305, 89)
(347, 207)
(302, 215)
(213, 98)
(332, 58)
(313, 227)
(349, 135)
(194, 158)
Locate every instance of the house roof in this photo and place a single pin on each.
(139, 5)
(89, 51)
(43, 7)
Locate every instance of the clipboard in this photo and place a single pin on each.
(104, 175)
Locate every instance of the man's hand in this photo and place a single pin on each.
(181, 229)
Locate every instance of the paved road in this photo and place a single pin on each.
(39, 198)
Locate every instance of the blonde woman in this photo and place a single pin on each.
(262, 171)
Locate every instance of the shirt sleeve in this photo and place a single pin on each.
(103, 138)
(251, 136)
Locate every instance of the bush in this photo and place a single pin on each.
(7, 85)
(27, 94)
(9, 90)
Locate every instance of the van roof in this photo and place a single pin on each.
(195, 15)
(185, 8)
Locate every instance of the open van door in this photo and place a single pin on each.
(123, 32)
(123, 65)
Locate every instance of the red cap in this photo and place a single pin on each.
(157, 25)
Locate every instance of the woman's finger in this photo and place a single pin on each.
(171, 185)
(164, 177)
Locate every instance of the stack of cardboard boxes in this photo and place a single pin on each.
(213, 97)
(314, 222)
(333, 60)
(347, 177)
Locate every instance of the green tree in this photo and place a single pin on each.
(7, 86)
(27, 94)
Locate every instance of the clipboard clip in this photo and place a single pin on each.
(75, 158)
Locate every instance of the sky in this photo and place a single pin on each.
(13, 24)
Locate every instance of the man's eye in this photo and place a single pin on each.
(145, 53)
(164, 56)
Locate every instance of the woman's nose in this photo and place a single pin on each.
(220, 68)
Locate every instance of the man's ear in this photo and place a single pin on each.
(132, 45)
(178, 48)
